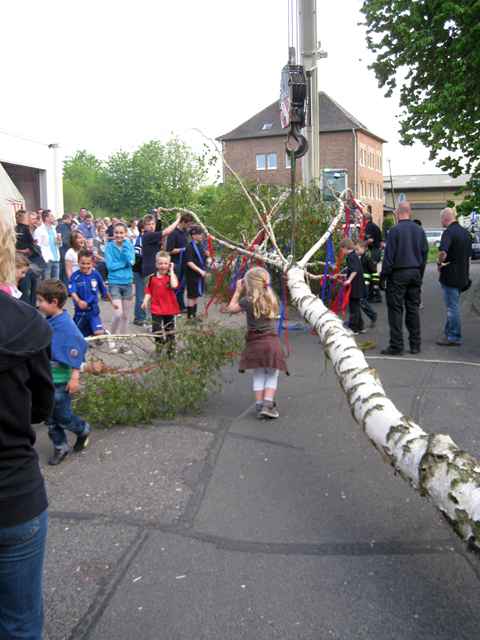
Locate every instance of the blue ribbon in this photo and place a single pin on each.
(201, 281)
(329, 261)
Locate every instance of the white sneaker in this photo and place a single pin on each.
(112, 346)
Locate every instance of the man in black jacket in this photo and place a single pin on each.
(403, 267)
(26, 397)
(453, 266)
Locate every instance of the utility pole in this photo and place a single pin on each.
(310, 53)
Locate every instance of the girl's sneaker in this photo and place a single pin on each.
(269, 411)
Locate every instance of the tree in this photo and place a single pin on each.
(129, 184)
(83, 181)
(155, 174)
(431, 48)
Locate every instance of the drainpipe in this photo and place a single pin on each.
(355, 157)
(57, 166)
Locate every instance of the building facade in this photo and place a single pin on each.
(427, 194)
(256, 151)
(35, 170)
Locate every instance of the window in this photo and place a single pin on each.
(287, 161)
(267, 126)
(266, 161)
(272, 161)
(261, 162)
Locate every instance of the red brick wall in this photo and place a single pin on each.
(241, 156)
(370, 174)
(337, 151)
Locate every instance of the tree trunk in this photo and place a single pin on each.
(431, 462)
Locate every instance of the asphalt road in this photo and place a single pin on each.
(220, 527)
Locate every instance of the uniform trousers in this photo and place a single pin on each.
(403, 292)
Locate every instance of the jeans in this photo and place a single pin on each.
(22, 549)
(139, 313)
(453, 327)
(63, 418)
(403, 291)
(52, 271)
(63, 273)
(121, 291)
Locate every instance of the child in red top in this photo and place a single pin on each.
(160, 293)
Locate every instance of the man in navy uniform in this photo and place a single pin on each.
(403, 267)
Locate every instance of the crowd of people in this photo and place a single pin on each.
(114, 259)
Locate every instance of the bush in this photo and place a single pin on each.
(161, 388)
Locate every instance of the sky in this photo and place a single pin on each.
(105, 75)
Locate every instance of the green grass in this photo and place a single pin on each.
(432, 254)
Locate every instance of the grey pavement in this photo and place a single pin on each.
(220, 527)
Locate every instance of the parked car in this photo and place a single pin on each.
(433, 237)
(475, 246)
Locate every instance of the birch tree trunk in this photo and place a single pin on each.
(432, 463)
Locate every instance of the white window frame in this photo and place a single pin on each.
(270, 155)
(264, 158)
(288, 163)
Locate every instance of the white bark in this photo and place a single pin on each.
(432, 463)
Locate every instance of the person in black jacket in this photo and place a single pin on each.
(27, 247)
(152, 241)
(26, 398)
(403, 267)
(354, 273)
(453, 267)
(177, 243)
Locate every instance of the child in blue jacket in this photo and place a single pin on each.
(67, 355)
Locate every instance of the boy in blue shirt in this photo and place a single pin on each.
(67, 354)
(84, 287)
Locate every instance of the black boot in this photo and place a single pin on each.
(58, 456)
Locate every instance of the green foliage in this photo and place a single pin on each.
(165, 389)
(471, 201)
(128, 184)
(388, 223)
(434, 46)
(432, 254)
(226, 209)
(83, 181)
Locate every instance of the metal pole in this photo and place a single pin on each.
(391, 185)
(310, 53)
(293, 204)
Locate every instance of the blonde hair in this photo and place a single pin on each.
(163, 254)
(7, 246)
(264, 300)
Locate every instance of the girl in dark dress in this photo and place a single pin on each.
(196, 270)
(263, 352)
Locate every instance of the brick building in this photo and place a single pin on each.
(256, 150)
